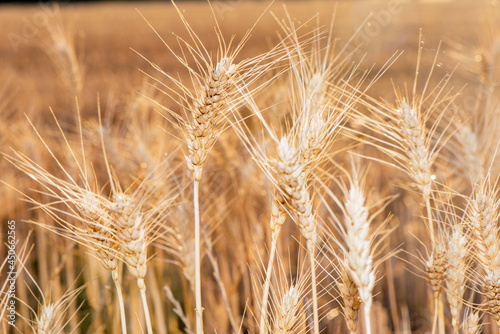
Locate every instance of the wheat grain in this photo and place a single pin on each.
(359, 258)
(456, 273)
(287, 312)
(351, 301)
(471, 324)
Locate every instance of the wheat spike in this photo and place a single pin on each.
(456, 273)
(207, 113)
(287, 311)
(292, 181)
(350, 297)
(471, 324)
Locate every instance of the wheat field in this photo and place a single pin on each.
(250, 167)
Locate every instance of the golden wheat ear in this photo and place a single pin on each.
(59, 45)
(413, 133)
(206, 99)
(362, 231)
(289, 304)
(483, 213)
(471, 323)
(317, 107)
(53, 316)
(448, 269)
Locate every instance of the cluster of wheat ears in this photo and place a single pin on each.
(268, 193)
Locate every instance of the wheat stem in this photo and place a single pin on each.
(119, 294)
(142, 288)
(278, 217)
(116, 280)
(197, 260)
(366, 315)
(440, 315)
(314, 289)
(265, 289)
(429, 217)
(435, 316)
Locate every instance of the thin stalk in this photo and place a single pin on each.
(265, 292)
(119, 294)
(314, 290)
(197, 260)
(366, 315)
(146, 311)
(429, 218)
(435, 318)
(441, 315)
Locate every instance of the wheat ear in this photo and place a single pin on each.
(436, 269)
(287, 311)
(131, 229)
(413, 132)
(350, 297)
(472, 154)
(51, 317)
(292, 181)
(456, 273)
(61, 50)
(100, 231)
(90, 209)
(421, 160)
(471, 324)
(207, 114)
(358, 240)
(484, 213)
